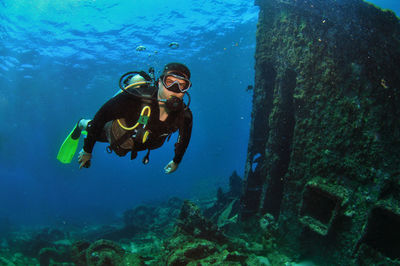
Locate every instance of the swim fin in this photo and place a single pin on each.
(70, 144)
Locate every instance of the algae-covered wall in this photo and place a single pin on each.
(324, 148)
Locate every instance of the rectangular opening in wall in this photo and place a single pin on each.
(383, 233)
(318, 208)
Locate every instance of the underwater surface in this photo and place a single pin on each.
(61, 60)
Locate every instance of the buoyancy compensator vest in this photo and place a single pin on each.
(123, 138)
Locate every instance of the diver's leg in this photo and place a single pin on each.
(83, 124)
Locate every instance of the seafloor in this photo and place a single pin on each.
(176, 232)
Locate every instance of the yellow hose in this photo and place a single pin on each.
(135, 84)
(141, 114)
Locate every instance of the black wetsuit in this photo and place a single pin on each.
(129, 107)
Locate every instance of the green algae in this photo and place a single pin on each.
(345, 109)
(382, 9)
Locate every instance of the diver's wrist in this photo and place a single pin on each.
(86, 153)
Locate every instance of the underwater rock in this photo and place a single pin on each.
(78, 252)
(234, 192)
(104, 252)
(174, 203)
(195, 241)
(50, 235)
(199, 251)
(133, 259)
(160, 219)
(192, 222)
(47, 245)
(227, 220)
(17, 259)
(258, 260)
(235, 186)
(105, 232)
(225, 199)
(148, 246)
(267, 222)
(114, 233)
(187, 250)
(166, 215)
(236, 256)
(140, 217)
(27, 245)
(4, 261)
(224, 212)
(138, 222)
(47, 255)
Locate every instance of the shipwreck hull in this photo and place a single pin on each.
(324, 148)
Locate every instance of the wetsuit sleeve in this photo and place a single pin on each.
(112, 109)
(185, 132)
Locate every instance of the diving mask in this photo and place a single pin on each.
(175, 83)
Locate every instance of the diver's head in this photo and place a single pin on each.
(178, 69)
(175, 79)
(173, 84)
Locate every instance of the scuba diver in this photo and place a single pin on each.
(140, 117)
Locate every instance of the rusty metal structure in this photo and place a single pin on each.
(324, 148)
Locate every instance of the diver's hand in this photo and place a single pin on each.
(84, 159)
(171, 167)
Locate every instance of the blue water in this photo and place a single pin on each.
(60, 60)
